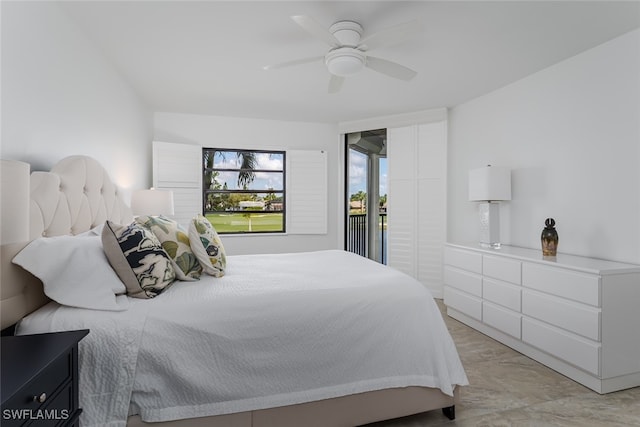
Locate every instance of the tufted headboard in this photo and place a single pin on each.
(75, 196)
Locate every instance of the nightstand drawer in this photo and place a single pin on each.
(43, 386)
(54, 412)
(58, 408)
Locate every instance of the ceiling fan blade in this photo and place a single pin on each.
(391, 35)
(292, 63)
(316, 30)
(389, 68)
(335, 83)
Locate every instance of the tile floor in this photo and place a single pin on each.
(509, 389)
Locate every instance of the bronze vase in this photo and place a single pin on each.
(549, 238)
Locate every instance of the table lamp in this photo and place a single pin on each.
(489, 185)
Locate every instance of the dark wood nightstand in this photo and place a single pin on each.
(40, 379)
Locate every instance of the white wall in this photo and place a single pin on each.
(60, 97)
(229, 132)
(571, 134)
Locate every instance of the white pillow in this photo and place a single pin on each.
(75, 272)
(95, 231)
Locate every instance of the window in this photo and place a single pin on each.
(244, 190)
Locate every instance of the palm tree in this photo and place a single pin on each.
(248, 163)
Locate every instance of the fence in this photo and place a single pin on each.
(357, 235)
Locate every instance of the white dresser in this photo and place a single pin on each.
(579, 316)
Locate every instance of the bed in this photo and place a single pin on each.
(323, 338)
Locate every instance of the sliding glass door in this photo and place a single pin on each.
(366, 193)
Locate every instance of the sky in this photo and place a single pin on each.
(262, 181)
(358, 173)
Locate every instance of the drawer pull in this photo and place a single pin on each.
(40, 398)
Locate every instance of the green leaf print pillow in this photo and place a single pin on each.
(175, 242)
(207, 246)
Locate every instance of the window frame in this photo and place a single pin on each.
(283, 191)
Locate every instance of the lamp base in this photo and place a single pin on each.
(494, 245)
(489, 214)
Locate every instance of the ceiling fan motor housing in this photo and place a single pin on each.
(347, 32)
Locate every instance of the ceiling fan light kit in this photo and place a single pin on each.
(344, 61)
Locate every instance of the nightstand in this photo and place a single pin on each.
(40, 379)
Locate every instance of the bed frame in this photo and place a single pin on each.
(78, 195)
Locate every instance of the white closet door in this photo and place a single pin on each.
(401, 225)
(416, 157)
(178, 167)
(432, 204)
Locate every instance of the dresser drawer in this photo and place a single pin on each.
(464, 303)
(577, 351)
(572, 285)
(463, 280)
(44, 384)
(470, 261)
(575, 317)
(502, 319)
(502, 268)
(502, 293)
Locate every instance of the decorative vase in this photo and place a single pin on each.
(549, 238)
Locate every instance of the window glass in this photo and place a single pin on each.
(244, 190)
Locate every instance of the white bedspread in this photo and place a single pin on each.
(275, 330)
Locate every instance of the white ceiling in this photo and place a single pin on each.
(206, 57)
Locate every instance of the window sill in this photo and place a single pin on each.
(267, 234)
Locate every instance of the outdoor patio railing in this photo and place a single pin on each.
(357, 235)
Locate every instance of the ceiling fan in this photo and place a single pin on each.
(348, 53)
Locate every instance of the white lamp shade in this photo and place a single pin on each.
(490, 183)
(14, 214)
(152, 202)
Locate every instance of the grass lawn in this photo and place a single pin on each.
(239, 222)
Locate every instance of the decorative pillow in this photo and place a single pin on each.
(175, 242)
(207, 246)
(136, 255)
(74, 272)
